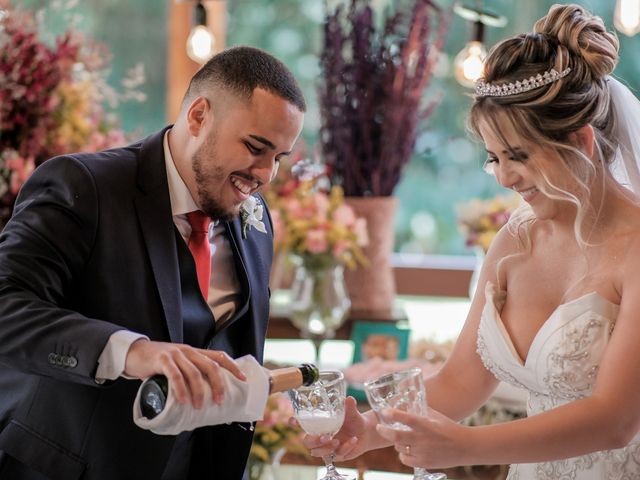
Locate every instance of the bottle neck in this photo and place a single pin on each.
(283, 379)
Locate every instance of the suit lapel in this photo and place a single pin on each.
(154, 214)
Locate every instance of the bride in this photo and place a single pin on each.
(557, 311)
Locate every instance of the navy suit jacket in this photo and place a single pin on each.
(92, 249)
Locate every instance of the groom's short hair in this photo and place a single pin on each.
(240, 70)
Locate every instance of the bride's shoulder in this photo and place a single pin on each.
(627, 227)
(509, 240)
(623, 243)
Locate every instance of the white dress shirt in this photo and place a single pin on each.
(224, 286)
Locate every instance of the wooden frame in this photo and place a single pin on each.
(180, 68)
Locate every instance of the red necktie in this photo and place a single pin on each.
(199, 246)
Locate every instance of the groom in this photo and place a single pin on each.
(99, 287)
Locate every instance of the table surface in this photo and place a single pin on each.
(313, 472)
(299, 472)
(439, 319)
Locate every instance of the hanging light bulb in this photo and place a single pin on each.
(201, 41)
(469, 62)
(626, 16)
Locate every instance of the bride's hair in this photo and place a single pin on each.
(567, 37)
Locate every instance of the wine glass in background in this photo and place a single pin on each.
(404, 391)
(319, 409)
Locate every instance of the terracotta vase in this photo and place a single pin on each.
(372, 289)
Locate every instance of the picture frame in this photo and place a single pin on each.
(388, 340)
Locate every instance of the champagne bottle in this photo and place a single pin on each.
(155, 390)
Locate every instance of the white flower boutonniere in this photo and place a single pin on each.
(251, 215)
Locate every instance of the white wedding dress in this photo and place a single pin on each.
(561, 367)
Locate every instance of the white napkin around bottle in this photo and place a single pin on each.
(244, 401)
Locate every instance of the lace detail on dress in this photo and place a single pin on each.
(566, 469)
(624, 463)
(562, 367)
(498, 372)
(493, 367)
(571, 370)
(620, 464)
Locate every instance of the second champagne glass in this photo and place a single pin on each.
(404, 391)
(319, 409)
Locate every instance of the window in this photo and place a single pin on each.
(446, 168)
(134, 32)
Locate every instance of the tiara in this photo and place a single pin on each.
(489, 90)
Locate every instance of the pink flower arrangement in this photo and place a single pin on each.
(51, 99)
(313, 222)
(480, 220)
(274, 432)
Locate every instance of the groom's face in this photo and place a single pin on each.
(242, 145)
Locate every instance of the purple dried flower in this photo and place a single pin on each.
(371, 93)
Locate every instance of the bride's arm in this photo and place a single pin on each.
(607, 419)
(463, 384)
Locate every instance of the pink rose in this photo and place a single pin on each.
(294, 208)
(316, 241)
(340, 248)
(21, 168)
(321, 203)
(344, 215)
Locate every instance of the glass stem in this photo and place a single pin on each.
(328, 462)
(317, 342)
(422, 474)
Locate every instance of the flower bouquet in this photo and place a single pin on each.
(480, 220)
(52, 99)
(371, 93)
(321, 234)
(376, 66)
(274, 435)
(313, 222)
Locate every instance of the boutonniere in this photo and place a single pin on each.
(251, 215)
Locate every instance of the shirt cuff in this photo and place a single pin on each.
(112, 359)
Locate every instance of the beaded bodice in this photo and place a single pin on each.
(561, 367)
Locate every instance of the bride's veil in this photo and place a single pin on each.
(626, 108)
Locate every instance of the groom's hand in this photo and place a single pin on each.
(186, 368)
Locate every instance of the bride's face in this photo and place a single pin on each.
(527, 168)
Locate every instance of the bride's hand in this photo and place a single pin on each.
(434, 441)
(351, 440)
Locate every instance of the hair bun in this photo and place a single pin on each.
(583, 35)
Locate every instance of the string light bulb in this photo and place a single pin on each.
(201, 42)
(626, 17)
(469, 62)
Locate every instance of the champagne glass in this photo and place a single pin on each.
(319, 409)
(404, 391)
